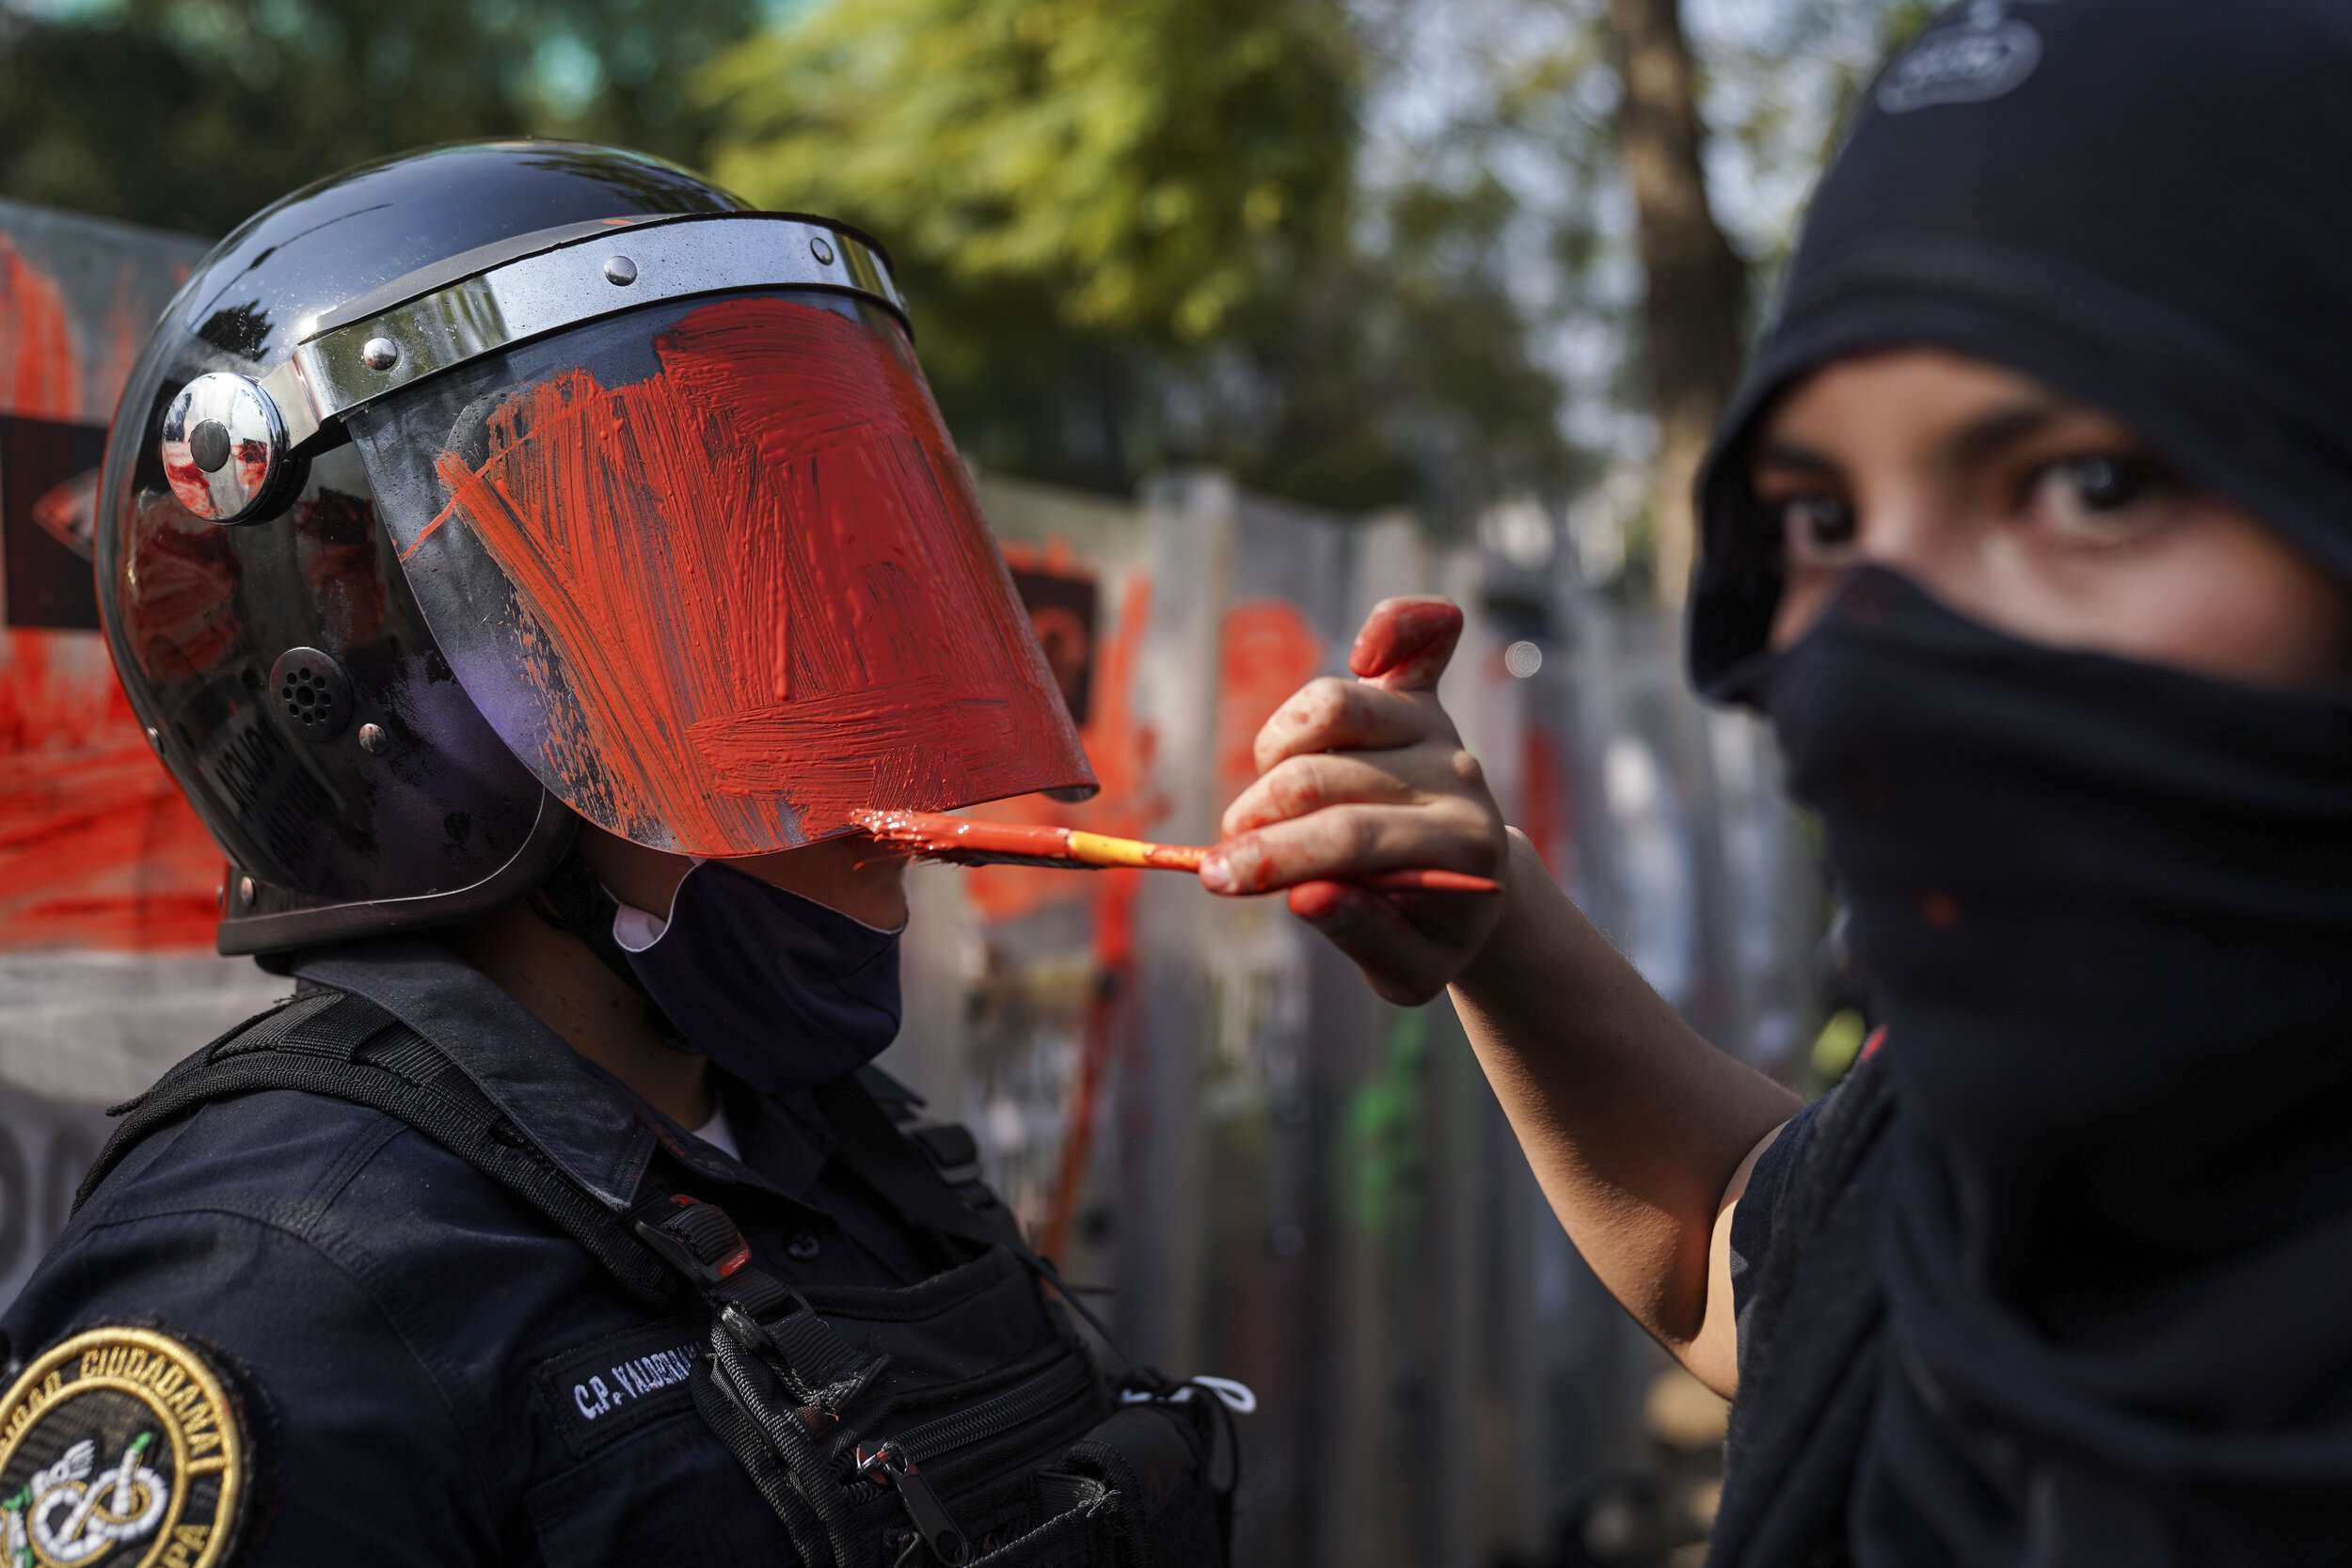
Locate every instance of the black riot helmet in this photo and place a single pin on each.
(486, 488)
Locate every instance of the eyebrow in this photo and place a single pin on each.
(1985, 435)
(1775, 451)
(1979, 438)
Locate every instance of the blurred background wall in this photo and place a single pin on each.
(1244, 313)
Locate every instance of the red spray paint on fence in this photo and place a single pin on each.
(1266, 652)
(97, 847)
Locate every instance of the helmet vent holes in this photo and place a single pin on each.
(311, 693)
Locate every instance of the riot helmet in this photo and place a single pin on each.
(493, 484)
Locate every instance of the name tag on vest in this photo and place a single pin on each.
(610, 1387)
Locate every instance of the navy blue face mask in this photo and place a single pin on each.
(780, 991)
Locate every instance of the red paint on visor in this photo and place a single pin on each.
(763, 583)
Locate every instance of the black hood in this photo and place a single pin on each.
(2142, 203)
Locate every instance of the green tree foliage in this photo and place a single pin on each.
(1140, 156)
(192, 114)
(1134, 229)
(1133, 235)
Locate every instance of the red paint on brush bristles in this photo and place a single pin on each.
(936, 837)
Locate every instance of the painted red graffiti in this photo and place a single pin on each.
(1266, 653)
(97, 847)
(766, 583)
(1120, 750)
(1547, 811)
(39, 374)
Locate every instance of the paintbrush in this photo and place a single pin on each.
(935, 836)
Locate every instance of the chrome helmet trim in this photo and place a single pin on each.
(343, 366)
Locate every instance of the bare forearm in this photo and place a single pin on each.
(1634, 1124)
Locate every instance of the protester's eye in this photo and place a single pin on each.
(2105, 482)
(1817, 524)
(2101, 496)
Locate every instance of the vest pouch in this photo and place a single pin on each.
(980, 1384)
(1153, 1458)
(1133, 1493)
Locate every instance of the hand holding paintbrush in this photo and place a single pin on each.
(1401, 648)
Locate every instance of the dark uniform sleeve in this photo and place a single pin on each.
(360, 1452)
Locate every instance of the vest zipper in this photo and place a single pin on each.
(996, 1414)
(887, 1462)
(898, 1461)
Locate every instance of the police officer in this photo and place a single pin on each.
(524, 556)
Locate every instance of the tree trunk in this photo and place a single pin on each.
(1694, 307)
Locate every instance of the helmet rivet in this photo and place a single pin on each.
(372, 740)
(245, 890)
(823, 252)
(620, 271)
(208, 446)
(379, 353)
(156, 739)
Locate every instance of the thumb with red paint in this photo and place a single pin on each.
(1406, 641)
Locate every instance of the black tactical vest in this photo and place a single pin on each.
(956, 1421)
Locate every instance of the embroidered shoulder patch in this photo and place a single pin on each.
(118, 1448)
(616, 1384)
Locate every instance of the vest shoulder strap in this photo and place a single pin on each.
(346, 1047)
(930, 1174)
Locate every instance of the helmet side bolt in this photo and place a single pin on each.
(208, 446)
(379, 353)
(244, 891)
(372, 740)
(222, 444)
(620, 271)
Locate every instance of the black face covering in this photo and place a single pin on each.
(780, 991)
(2106, 909)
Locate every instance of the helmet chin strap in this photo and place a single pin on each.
(573, 901)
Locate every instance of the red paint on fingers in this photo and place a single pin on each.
(1406, 642)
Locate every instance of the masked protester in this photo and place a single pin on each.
(2031, 534)
(524, 555)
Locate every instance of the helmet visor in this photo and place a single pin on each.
(712, 569)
